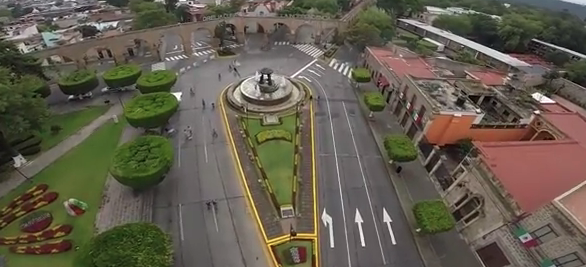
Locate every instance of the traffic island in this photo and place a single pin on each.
(298, 252)
(269, 121)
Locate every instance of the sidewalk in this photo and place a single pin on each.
(48, 157)
(446, 249)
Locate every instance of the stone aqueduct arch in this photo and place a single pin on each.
(117, 44)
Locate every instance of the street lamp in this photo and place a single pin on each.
(292, 233)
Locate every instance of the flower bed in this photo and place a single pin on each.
(55, 232)
(36, 222)
(54, 247)
(295, 255)
(29, 194)
(28, 207)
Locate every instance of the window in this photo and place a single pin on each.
(570, 260)
(467, 210)
(544, 234)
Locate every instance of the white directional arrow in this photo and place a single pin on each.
(303, 77)
(327, 220)
(358, 220)
(314, 72)
(387, 219)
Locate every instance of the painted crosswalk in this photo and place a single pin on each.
(198, 53)
(204, 52)
(342, 67)
(281, 43)
(310, 50)
(177, 57)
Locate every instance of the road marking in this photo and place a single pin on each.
(181, 222)
(319, 66)
(387, 219)
(303, 77)
(358, 220)
(205, 146)
(215, 219)
(337, 170)
(302, 69)
(175, 47)
(327, 219)
(365, 184)
(179, 152)
(314, 72)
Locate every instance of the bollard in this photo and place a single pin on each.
(115, 118)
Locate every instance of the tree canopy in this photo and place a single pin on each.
(372, 27)
(150, 15)
(151, 110)
(18, 63)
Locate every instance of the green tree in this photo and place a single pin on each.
(558, 58)
(375, 102)
(122, 76)
(18, 11)
(576, 72)
(516, 31)
(401, 8)
(484, 30)
(550, 76)
(78, 82)
(88, 31)
(22, 111)
(19, 64)
(182, 14)
(291, 10)
(171, 5)
(156, 81)
(372, 26)
(152, 18)
(459, 25)
(400, 148)
(142, 163)
(127, 245)
(467, 57)
(117, 3)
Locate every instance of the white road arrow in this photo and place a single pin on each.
(327, 219)
(387, 219)
(358, 220)
(314, 72)
(303, 77)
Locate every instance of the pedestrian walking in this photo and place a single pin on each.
(188, 133)
(213, 106)
(214, 134)
(215, 204)
(203, 103)
(219, 76)
(209, 205)
(399, 169)
(230, 68)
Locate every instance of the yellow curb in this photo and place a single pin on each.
(232, 56)
(240, 171)
(277, 240)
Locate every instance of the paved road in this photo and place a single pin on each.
(204, 171)
(353, 179)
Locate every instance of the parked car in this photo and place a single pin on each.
(108, 90)
(80, 97)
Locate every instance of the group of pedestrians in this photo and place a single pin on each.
(211, 203)
(188, 133)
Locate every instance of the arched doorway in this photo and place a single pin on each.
(305, 34)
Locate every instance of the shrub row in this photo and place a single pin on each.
(361, 75)
(122, 76)
(375, 101)
(400, 148)
(433, 216)
(151, 110)
(274, 134)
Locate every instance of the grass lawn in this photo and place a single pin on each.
(70, 123)
(282, 249)
(81, 173)
(276, 157)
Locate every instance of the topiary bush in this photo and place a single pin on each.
(128, 245)
(122, 76)
(78, 82)
(375, 102)
(142, 163)
(273, 134)
(150, 110)
(400, 148)
(156, 81)
(361, 75)
(432, 217)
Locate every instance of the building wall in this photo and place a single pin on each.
(448, 129)
(571, 91)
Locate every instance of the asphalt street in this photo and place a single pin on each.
(354, 189)
(204, 171)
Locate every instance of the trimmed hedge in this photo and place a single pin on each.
(433, 217)
(151, 110)
(274, 134)
(143, 162)
(375, 101)
(128, 245)
(122, 76)
(400, 148)
(361, 75)
(156, 81)
(78, 82)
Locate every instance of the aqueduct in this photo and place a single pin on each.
(118, 44)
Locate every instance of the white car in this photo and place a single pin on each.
(80, 97)
(107, 90)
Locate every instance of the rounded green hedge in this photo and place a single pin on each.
(122, 76)
(156, 81)
(78, 82)
(361, 75)
(143, 162)
(151, 110)
(400, 148)
(128, 245)
(375, 101)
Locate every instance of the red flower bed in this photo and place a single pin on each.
(28, 195)
(36, 221)
(27, 207)
(296, 255)
(55, 232)
(53, 247)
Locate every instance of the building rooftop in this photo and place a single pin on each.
(511, 61)
(401, 66)
(445, 96)
(572, 52)
(570, 123)
(489, 77)
(533, 60)
(572, 202)
(534, 173)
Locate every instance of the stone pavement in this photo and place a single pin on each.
(119, 203)
(445, 249)
(46, 158)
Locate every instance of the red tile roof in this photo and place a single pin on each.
(533, 60)
(554, 107)
(535, 172)
(570, 123)
(401, 66)
(490, 78)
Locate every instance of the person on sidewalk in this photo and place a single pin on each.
(203, 103)
(188, 133)
(399, 169)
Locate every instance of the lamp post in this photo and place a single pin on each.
(292, 233)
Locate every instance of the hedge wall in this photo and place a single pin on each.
(128, 245)
(375, 101)
(150, 110)
(433, 216)
(122, 76)
(143, 162)
(78, 82)
(400, 148)
(156, 81)
(361, 75)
